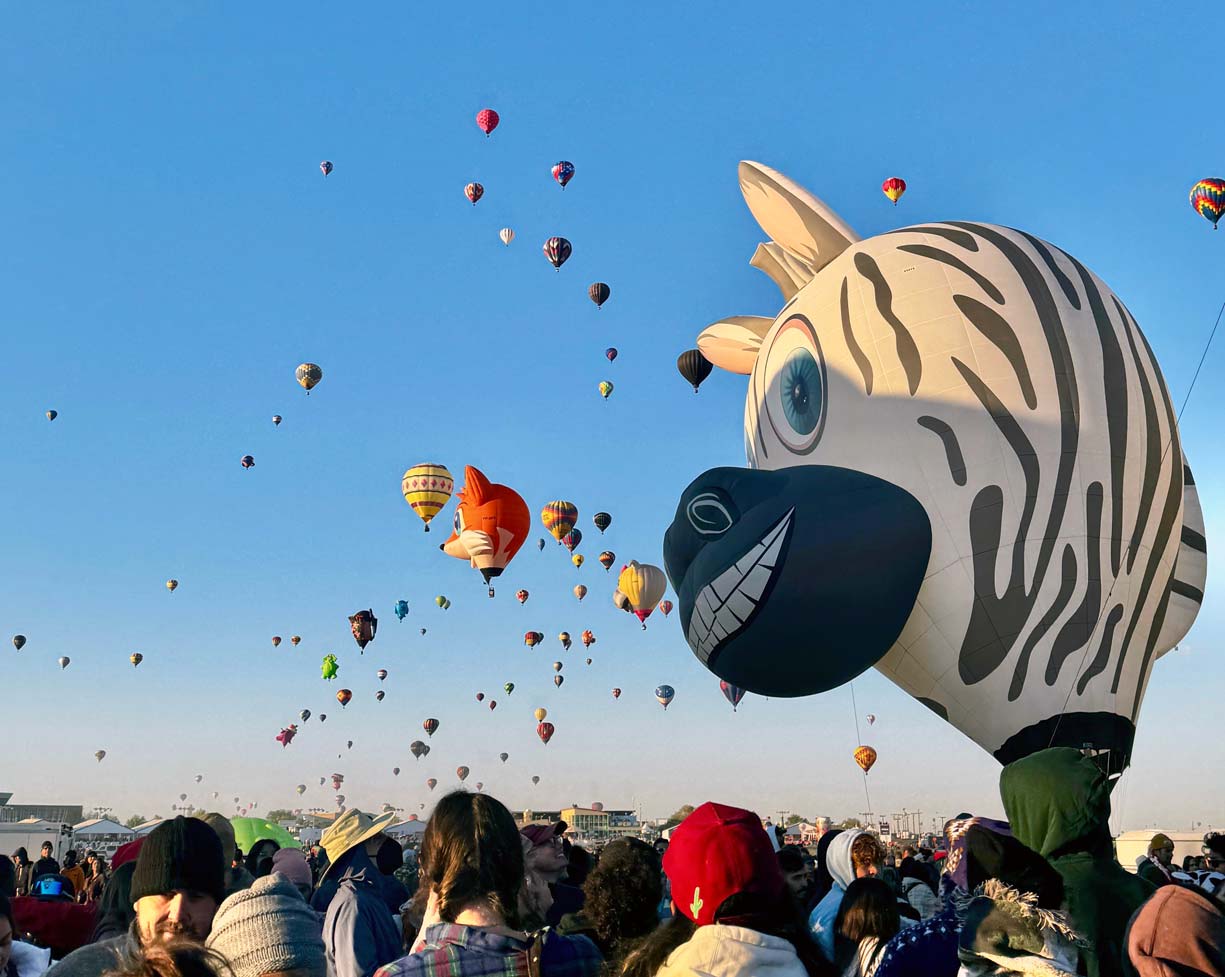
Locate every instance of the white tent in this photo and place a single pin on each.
(143, 829)
(405, 829)
(101, 827)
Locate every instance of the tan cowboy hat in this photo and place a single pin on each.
(351, 829)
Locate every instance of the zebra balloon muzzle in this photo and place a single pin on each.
(793, 582)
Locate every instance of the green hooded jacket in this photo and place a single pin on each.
(1058, 804)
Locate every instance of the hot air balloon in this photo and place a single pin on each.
(535, 781)
(666, 607)
(665, 694)
(431, 783)
(577, 560)
(871, 719)
(893, 188)
(330, 667)
(1208, 199)
(64, 661)
(326, 167)
(865, 756)
(199, 777)
(479, 786)
(564, 638)
(610, 353)
(337, 780)
(427, 488)
(522, 596)
(19, 641)
(563, 172)
(644, 586)
(598, 292)
(545, 732)
(694, 367)
(474, 192)
(295, 640)
(588, 639)
(323, 717)
(572, 539)
(304, 715)
(580, 592)
(52, 415)
(488, 120)
(503, 757)
(540, 545)
(430, 726)
(276, 641)
(343, 696)
(364, 626)
(417, 749)
(276, 420)
(461, 773)
(602, 521)
(558, 666)
(286, 735)
(493, 704)
(248, 461)
(541, 714)
(172, 585)
(350, 745)
(182, 797)
(606, 388)
(440, 600)
(507, 235)
(491, 524)
(607, 559)
(100, 755)
(532, 638)
(557, 250)
(301, 789)
(308, 375)
(395, 771)
(379, 695)
(508, 688)
(558, 679)
(480, 697)
(731, 693)
(401, 609)
(559, 518)
(588, 661)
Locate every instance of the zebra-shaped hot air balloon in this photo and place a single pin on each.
(966, 471)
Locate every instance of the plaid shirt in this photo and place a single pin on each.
(452, 950)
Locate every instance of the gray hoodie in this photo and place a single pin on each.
(842, 871)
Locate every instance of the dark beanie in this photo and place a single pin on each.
(990, 855)
(181, 854)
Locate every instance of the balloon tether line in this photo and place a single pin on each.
(858, 743)
(1106, 602)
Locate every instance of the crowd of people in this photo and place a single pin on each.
(1039, 893)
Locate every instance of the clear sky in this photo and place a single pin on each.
(173, 252)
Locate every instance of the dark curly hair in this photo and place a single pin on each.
(622, 893)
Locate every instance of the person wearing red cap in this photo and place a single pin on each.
(730, 900)
(545, 859)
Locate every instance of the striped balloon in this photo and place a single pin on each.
(893, 188)
(427, 488)
(559, 518)
(1208, 199)
(557, 250)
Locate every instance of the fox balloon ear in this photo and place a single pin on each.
(732, 344)
(476, 486)
(799, 223)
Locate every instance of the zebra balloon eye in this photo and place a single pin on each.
(801, 391)
(711, 514)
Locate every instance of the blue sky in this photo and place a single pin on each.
(174, 252)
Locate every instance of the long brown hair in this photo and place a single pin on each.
(471, 852)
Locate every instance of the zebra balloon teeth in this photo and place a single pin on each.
(965, 472)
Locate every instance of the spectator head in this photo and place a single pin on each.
(1161, 849)
(1178, 931)
(993, 855)
(178, 882)
(1214, 851)
(353, 832)
(795, 874)
(472, 853)
(115, 912)
(546, 856)
(389, 856)
(908, 852)
(8, 930)
(53, 887)
(269, 930)
(293, 866)
(20, 857)
(623, 892)
(8, 878)
(578, 865)
(70, 858)
(47, 849)
(869, 908)
(718, 854)
(261, 851)
(661, 847)
(867, 855)
(225, 832)
(176, 958)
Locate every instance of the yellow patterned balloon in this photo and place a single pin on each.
(643, 585)
(427, 488)
(559, 518)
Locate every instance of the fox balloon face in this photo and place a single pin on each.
(966, 472)
(491, 523)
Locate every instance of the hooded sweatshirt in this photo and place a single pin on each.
(1177, 933)
(359, 931)
(732, 951)
(1058, 803)
(842, 871)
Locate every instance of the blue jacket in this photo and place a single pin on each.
(359, 931)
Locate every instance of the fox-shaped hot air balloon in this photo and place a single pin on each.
(491, 523)
(966, 472)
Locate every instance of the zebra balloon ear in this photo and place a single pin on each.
(801, 225)
(732, 344)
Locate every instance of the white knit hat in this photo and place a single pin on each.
(269, 928)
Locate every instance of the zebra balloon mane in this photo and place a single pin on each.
(965, 471)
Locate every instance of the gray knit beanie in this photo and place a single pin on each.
(269, 928)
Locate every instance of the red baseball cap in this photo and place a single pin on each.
(718, 852)
(542, 834)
